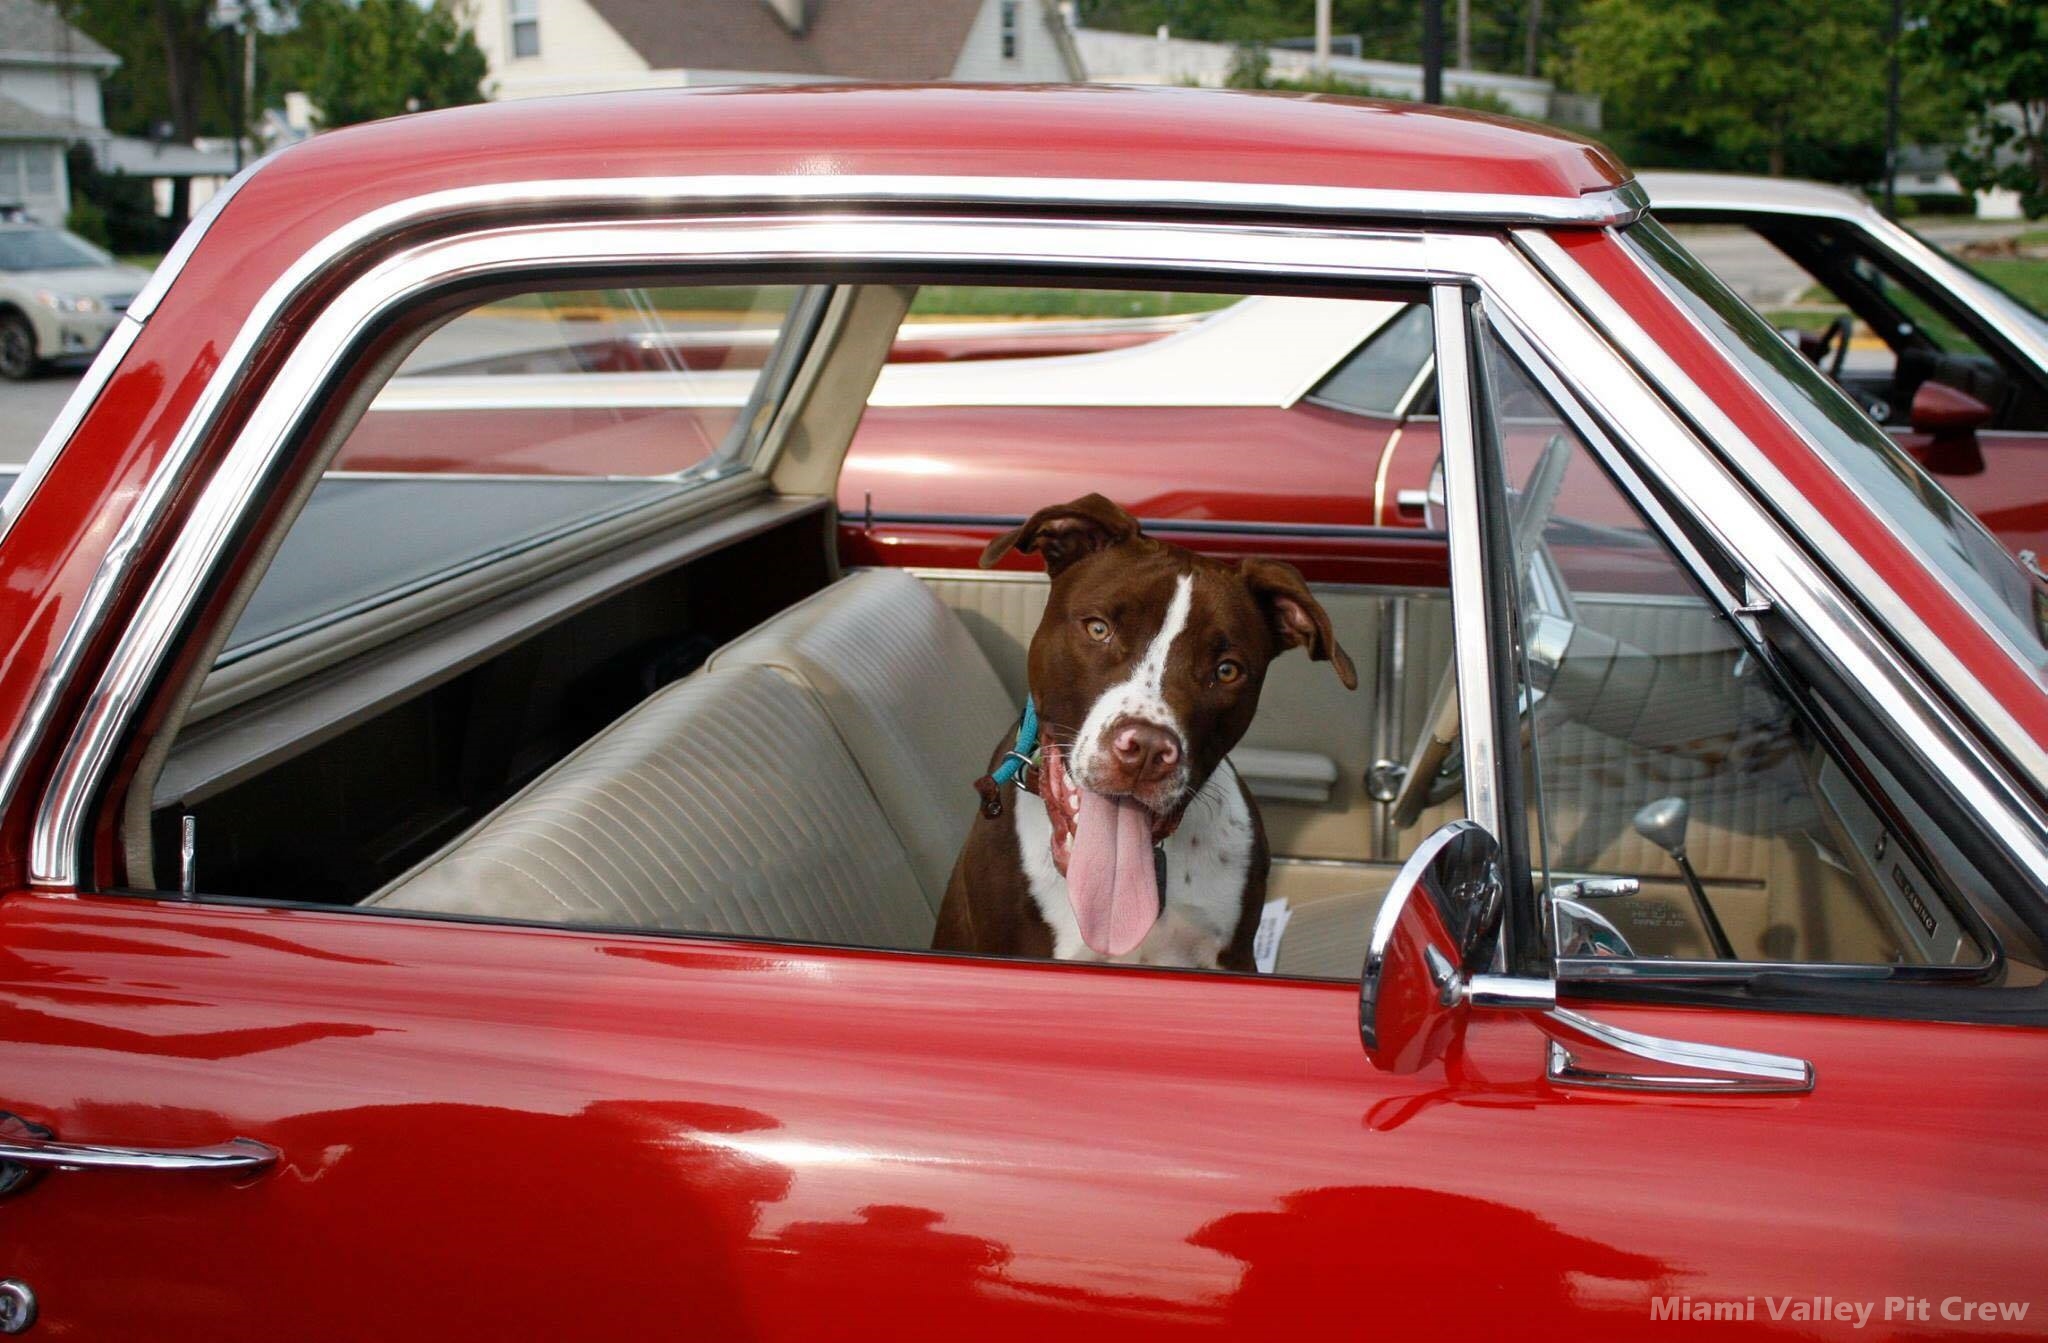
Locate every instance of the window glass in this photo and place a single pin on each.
(1943, 531)
(517, 423)
(526, 27)
(47, 249)
(1159, 398)
(39, 175)
(1375, 380)
(392, 726)
(1659, 749)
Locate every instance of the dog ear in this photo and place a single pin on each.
(1065, 532)
(1296, 618)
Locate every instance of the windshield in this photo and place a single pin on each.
(1943, 531)
(48, 249)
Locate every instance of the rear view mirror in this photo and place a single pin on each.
(1950, 418)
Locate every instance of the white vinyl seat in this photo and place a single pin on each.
(912, 696)
(724, 804)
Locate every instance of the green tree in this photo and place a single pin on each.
(360, 60)
(1780, 86)
(1996, 51)
(178, 65)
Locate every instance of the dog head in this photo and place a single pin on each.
(1147, 666)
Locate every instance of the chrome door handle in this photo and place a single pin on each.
(2032, 564)
(1652, 1063)
(27, 1149)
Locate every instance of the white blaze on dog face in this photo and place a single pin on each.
(1147, 665)
(1140, 697)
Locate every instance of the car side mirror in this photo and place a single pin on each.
(1425, 973)
(1950, 418)
(1435, 931)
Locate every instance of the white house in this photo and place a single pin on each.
(1138, 58)
(542, 47)
(50, 75)
(49, 99)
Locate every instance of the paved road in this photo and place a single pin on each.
(26, 409)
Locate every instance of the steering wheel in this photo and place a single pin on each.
(1833, 347)
(1433, 774)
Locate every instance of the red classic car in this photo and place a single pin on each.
(516, 874)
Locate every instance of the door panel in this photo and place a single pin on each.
(506, 1132)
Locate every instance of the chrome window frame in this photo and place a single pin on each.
(1600, 443)
(1766, 482)
(1506, 278)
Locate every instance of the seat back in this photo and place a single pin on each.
(724, 803)
(912, 696)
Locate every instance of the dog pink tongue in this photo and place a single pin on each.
(1111, 881)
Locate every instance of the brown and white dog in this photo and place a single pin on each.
(1145, 672)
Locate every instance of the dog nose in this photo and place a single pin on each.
(1145, 752)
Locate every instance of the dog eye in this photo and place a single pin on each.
(1228, 672)
(1098, 629)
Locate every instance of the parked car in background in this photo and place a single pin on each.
(1955, 366)
(60, 297)
(469, 798)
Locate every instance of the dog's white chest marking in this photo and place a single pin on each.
(1142, 694)
(1207, 861)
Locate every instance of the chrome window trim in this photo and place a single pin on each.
(1588, 362)
(187, 242)
(101, 371)
(1468, 559)
(1764, 479)
(1727, 507)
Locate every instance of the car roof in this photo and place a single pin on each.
(1087, 149)
(1003, 131)
(1737, 191)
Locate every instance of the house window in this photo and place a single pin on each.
(1009, 30)
(39, 171)
(28, 174)
(525, 27)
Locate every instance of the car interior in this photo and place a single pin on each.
(1915, 334)
(555, 628)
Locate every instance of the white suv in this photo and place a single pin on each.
(59, 296)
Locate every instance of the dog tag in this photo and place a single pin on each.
(1266, 942)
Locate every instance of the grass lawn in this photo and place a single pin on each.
(2026, 278)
